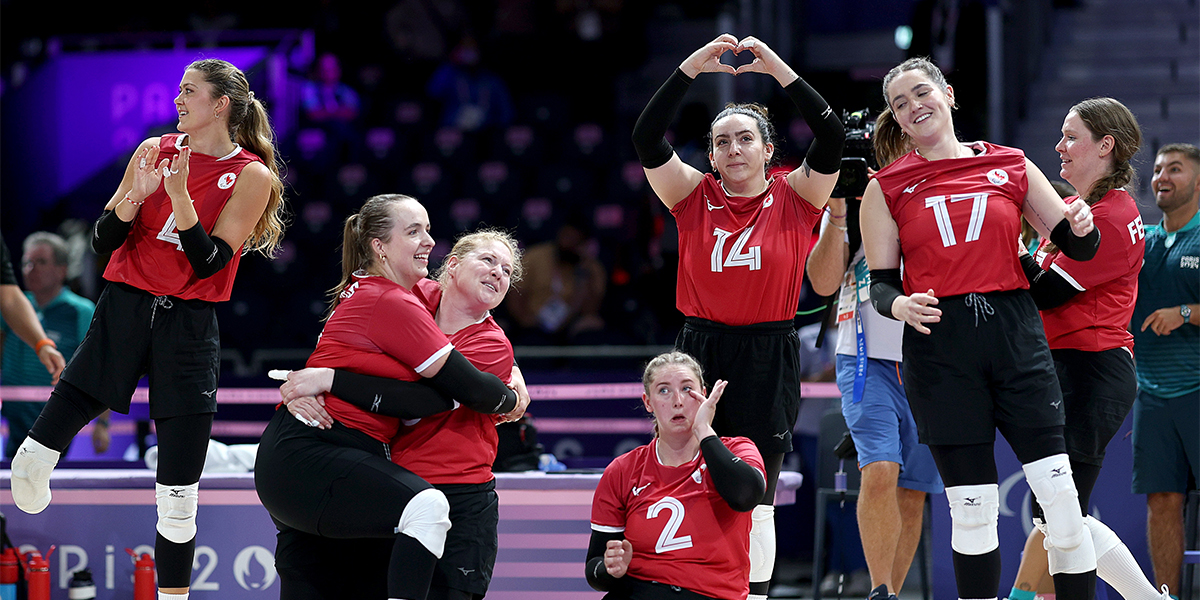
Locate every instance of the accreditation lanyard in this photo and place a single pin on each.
(856, 289)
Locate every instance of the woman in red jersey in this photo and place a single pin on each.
(975, 355)
(743, 239)
(455, 448)
(188, 206)
(340, 482)
(1086, 308)
(670, 520)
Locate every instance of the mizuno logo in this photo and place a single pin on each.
(972, 501)
(911, 188)
(710, 205)
(176, 493)
(1059, 472)
(1056, 403)
(780, 435)
(637, 490)
(466, 572)
(375, 403)
(209, 394)
(213, 255)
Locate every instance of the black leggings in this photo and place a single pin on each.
(975, 464)
(182, 448)
(773, 464)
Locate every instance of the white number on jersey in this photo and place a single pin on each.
(667, 540)
(942, 214)
(169, 234)
(1136, 230)
(739, 254)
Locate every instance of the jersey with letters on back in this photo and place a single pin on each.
(457, 446)
(1097, 318)
(741, 259)
(682, 532)
(379, 328)
(152, 258)
(959, 219)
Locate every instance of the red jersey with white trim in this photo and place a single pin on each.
(152, 258)
(741, 259)
(682, 532)
(381, 329)
(457, 446)
(1097, 318)
(959, 219)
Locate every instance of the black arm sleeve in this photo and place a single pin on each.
(1048, 288)
(1076, 248)
(886, 286)
(825, 152)
(109, 232)
(738, 483)
(597, 575)
(389, 397)
(207, 255)
(479, 391)
(649, 133)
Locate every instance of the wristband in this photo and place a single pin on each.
(130, 200)
(833, 216)
(37, 348)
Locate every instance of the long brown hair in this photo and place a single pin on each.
(890, 140)
(1107, 116)
(250, 127)
(375, 219)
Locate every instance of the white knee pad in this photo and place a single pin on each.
(31, 469)
(177, 506)
(426, 519)
(762, 543)
(1103, 538)
(974, 511)
(1050, 480)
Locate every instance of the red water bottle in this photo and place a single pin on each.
(8, 574)
(37, 572)
(143, 577)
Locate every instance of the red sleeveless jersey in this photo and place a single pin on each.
(959, 219)
(457, 446)
(741, 259)
(682, 532)
(381, 329)
(152, 258)
(1097, 318)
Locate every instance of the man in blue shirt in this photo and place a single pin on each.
(1166, 439)
(64, 315)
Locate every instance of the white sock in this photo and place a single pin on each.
(1118, 568)
(165, 596)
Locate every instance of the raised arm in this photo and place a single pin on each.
(738, 483)
(1069, 226)
(815, 178)
(671, 178)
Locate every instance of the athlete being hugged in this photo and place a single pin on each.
(187, 208)
(339, 482)
(743, 239)
(671, 519)
(1086, 308)
(975, 355)
(455, 448)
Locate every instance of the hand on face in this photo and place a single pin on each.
(702, 422)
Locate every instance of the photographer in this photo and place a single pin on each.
(897, 471)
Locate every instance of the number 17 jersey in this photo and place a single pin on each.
(741, 259)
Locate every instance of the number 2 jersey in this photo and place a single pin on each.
(1097, 318)
(682, 532)
(152, 258)
(741, 259)
(959, 219)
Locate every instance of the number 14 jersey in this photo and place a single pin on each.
(959, 219)
(741, 259)
(682, 532)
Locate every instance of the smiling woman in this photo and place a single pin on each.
(211, 192)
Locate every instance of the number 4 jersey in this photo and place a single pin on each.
(682, 532)
(959, 219)
(151, 258)
(741, 259)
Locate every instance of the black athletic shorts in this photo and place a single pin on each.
(472, 542)
(133, 333)
(985, 362)
(1098, 390)
(761, 362)
(640, 589)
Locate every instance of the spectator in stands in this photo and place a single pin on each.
(472, 97)
(743, 240)
(332, 105)
(1166, 441)
(65, 317)
(897, 470)
(563, 290)
(705, 546)
(21, 317)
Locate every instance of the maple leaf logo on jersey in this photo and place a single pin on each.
(998, 176)
(698, 474)
(226, 181)
(770, 200)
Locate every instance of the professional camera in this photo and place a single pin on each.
(857, 154)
